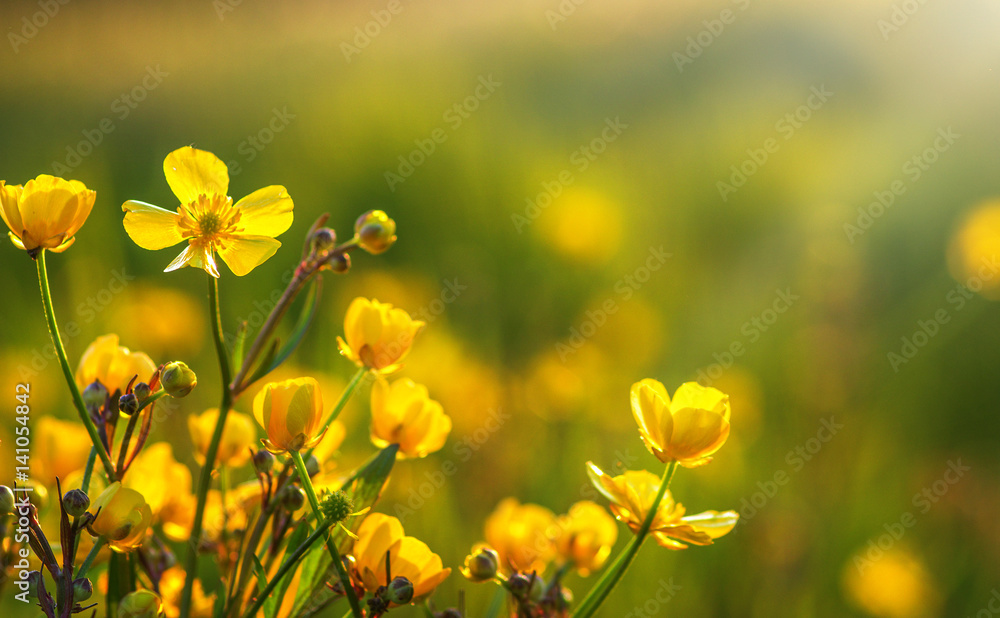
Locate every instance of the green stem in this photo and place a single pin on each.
(85, 485)
(98, 544)
(286, 566)
(205, 479)
(123, 449)
(345, 580)
(50, 316)
(248, 553)
(344, 398)
(614, 573)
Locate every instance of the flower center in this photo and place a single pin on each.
(209, 218)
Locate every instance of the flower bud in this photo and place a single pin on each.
(140, 604)
(526, 586)
(323, 240)
(451, 612)
(6, 501)
(312, 465)
(263, 461)
(34, 578)
(375, 231)
(178, 379)
(128, 404)
(482, 564)
(293, 498)
(337, 506)
(94, 395)
(76, 502)
(399, 591)
(339, 263)
(82, 590)
(141, 391)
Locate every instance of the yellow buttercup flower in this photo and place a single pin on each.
(291, 412)
(112, 365)
(586, 535)
(631, 495)
(896, 585)
(45, 213)
(408, 557)
(687, 429)
(378, 335)
(522, 535)
(238, 437)
(122, 517)
(165, 485)
(404, 414)
(243, 233)
(974, 247)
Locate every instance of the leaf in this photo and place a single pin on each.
(260, 573)
(364, 487)
(298, 536)
(239, 344)
(301, 326)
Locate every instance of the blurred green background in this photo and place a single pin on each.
(543, 224)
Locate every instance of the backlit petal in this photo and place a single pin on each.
(197, 255)
(265, 212)
(244, 253)
(10, 196)
(191, 172)
(151, 227)
(697, 433)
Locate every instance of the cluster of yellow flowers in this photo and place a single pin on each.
(146, 500)
(522, 540)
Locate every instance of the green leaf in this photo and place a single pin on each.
(301, 326)
(260, 573)
(364, 487)
(298, 537)
(239, 344)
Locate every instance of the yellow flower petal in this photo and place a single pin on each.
(697, 433)
(10, 196)
(265, 212)
(191, 172)
(244, 253)
(151, 227)
(197, 255)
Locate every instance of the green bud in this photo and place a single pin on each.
(178, 379)
(399, 591)
(263, 461)
(293, 498)
(34, 578)
(140, 604)
(482, 565)
(82, 590)
(141, 391)
(339, 262)
(375, 231)
(128, 404)
(6, 501)
(312, 466)
(323, 240)
(337, 506)
(76, 502)
(94, 395)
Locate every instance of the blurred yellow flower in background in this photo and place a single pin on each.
(171, 584)
(522, 535)
(582, 225)
(58, 448)
(238, 437)
(896, 585)
(291, 412)
(974, 250)
(688, 429)
(242, 233)
(378, 335)
(122, 517)
(162, 321)
(408, 557)
(45, 213)
(586, 535)
(112, 365)
(404, 414)
(165, 484)
(631, 495)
